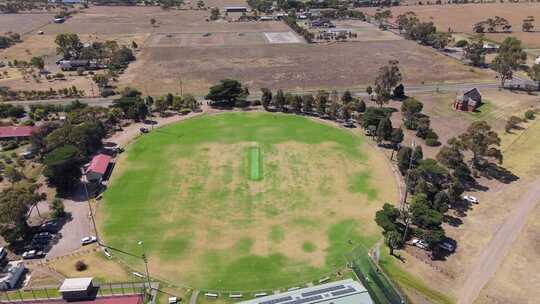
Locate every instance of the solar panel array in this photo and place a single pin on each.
(278, 300)
(314, 295)
(342, 292)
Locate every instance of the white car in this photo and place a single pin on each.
(88, 240)
(470, 199)
(420, 243)
(32, 254)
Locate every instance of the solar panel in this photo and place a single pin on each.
(278, 300)
(305, 300)
(322, 290)
(342, 292)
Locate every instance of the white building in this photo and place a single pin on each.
(13, 274)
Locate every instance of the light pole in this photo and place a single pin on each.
(85, 182)
(145, 259)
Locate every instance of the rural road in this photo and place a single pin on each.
(423, 88)
(491, 257)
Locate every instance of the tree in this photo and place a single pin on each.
(57, 208)
(69, 45)
(214, 13)
(101, 80)
(228, 92)
(384, 130)
(475, 53)
(15, 203)
(396, 138)
(407, 22)
(121, 58)
(320, 102)
(404, 159)
(450, 156)
(393, 240)
(152, 21)
(333, 110)
(134, 45)
(347, 97)
(387, 217)
(534, 74)
(382, 17)
(62, 168)
(389, 76)
(369, 90)
(296, 103)
(360, 106)
(266, 98)
(440, 202)
(12, 174)
(512, 123)
(411, 109)
(422, 126)
(422, 215)
(37, 62)
(509, 58)
(527, 25)
(307, 102)
(373, 116)
(482, 142)
(279, 100)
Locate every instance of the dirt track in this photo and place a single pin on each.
(491, 257)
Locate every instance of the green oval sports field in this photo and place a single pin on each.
(245, 201)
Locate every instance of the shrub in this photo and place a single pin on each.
(432, 138)
(461, 43)
(107, 92)
(185, 111)
(80, 266)
(57, 208)
(256, 103)
(529, 114)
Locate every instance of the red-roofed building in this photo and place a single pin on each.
(98, 167)
(124, 299)
(17, 132)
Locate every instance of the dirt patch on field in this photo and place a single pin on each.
(462, 17)
(23, 23)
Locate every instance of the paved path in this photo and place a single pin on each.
(491, 257)
(194, 296)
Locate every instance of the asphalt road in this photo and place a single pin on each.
(412, 89)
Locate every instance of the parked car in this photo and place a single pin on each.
(144, 130)
(32, 254)
(447, 245)
(50, 226)
(88, 240)
(348, 124)
(43, 236)
(420, 243)
(470, 199)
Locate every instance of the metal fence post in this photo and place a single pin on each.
(110, 287)
(7, 296)
(20, 295)
(47, 293)
(33, 294)
(122, 287)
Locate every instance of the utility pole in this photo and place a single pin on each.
(145, 259)
(85, 182)
(404, 202)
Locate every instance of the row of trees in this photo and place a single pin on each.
(437, 184)
(424, 32)
(9, 40)
(492, 25)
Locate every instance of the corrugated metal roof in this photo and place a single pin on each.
(75, 284)
(99, 164)
(339, 292)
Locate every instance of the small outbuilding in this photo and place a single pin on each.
(235, 9)
(468, 100)
(98, 167)
(78, 289)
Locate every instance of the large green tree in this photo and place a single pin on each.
(68, 45)
(510, 57)
(15, 203)
(227, 92)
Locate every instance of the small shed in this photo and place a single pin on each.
(235, 9)
(97, 168)
(468, 100)
(78, 289)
